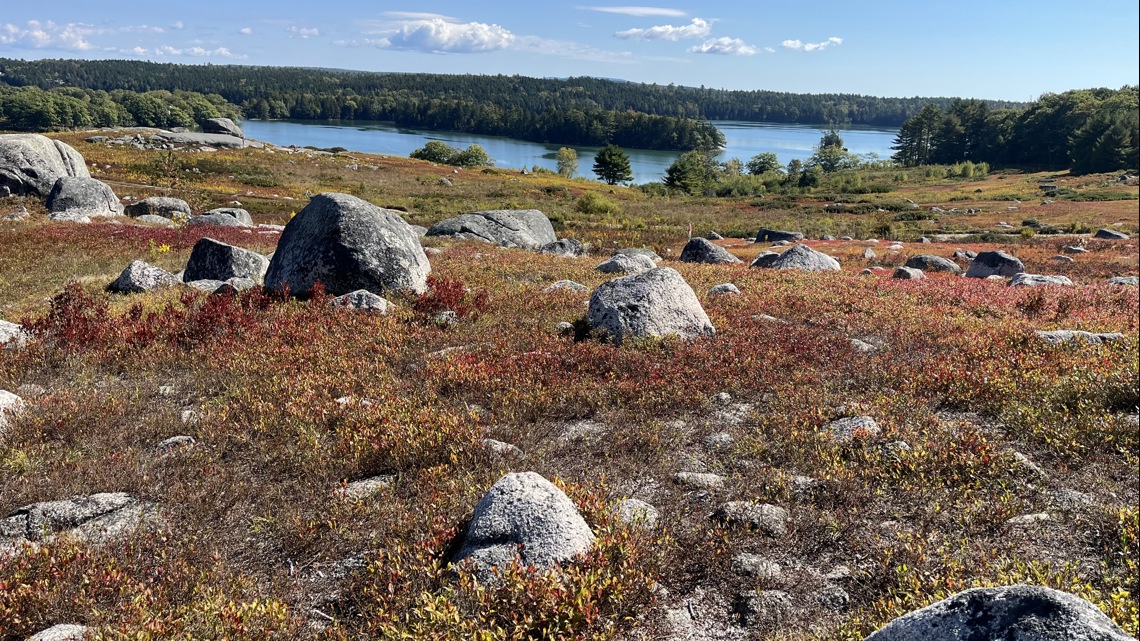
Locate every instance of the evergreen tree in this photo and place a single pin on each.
(611, 164)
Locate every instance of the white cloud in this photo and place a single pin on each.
(245, 31)
(303, 33)
(193, 52)
(639, 12)
(569, 49)
(178, 25)
(724, 46)
(47, 35)
(797, 45)
(698, 28)
(142, 28)
(440, 36)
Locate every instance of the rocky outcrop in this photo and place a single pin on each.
(1013, 612)
(655, 303)
(222, 126)
(30, 164)
(79, 196)
(347, 244)
(214, 260)
(523, 228)
(523, 517)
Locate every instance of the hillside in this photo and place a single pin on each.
(910, 438)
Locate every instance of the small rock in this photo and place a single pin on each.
(1110, 234)
(908, 273)
(181, 441)
(565, 285)
(834, 598)
(758, 567)
(10, 406)
(1062, 336)
(1126, 281)
(1075, 249)
(364, 488)
(580, 430)
(140, 277)
(1029, 520)
(626, 264)
(846, 430)
(699, 480)
(362, 300)
(719, 441)
(1036, 280)
(637, 513)
(725, 288)
(62, 632)
(769, 519)
(501, 449)
(764, 608)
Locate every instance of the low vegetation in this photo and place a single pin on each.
(290, 401)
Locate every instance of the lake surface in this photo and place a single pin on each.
(744, 140)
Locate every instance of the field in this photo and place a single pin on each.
(984, 427)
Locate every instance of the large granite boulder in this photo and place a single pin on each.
(30, 164)
(932, 263)
(804, 258)
(657, 302)
(171, 208)
(141, 276)
(525, 228)
(995, 263)
(214, 260)
(525, 517)
(79, 196)
(775, 236)
(702, 250)
(1016, 612)
(222, 126)
(347, 244)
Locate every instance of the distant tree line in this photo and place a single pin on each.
(33, 109)
(1087, 130)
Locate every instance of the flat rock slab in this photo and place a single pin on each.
(94, 518)
(525, 517)
(198, 140)
(1063, 336)
(1030, 613)
(846, 430)
(524, 228)
(565, 285)
(1037, 280)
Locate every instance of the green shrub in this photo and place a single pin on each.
(595, 203)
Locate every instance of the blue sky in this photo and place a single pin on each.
(969, 48)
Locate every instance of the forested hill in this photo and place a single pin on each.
(291, 92)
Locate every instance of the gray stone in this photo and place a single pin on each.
(364, 488)
(1062, 336)
(655, 303)
(523, 516)
(1075, 249)
(1037, 280)
(172, 208)
(139, 277)
(965, 254)
(566, 285)
(524, 228)
(637, 513)
(222, 126)
(764, 259)
(724, 288)
(180, 442)
(234, 285)
(804, 258)
(155, 221)
(764, 608)
(758, 567)
(219, 220)
(863, 346)
(908, 273)
(774, 235)
(699, 480)
(719, 441)
(214, 260)
(846, 430)
(702, 250)
(1127, 281)
(206, 285)
(69, 217)
(501, 449)
(869, 254)
(769, 519)
(237, 213)
(626, 264)
(10, 406)
(1061, 258)
(81, 196)
(11, 334)
(62, 632)
(198, 140)
(565, 247)
(932, 263)
(348, 244)
(834, 598)
(1016, 612)
(420, 230)
(30, 164)
(712, 235)
(565, 328)
(95, 518)
(639, 251)
(994, 263)
(1110, 234)
(362, 300)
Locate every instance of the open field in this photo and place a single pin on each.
(984, 426)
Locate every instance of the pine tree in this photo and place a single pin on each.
(611, 164)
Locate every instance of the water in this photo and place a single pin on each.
(743, 140)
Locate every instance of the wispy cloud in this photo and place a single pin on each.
(47, 35)
(245, 31)
(163, 51)
(417, 15)
(639, 12)
(569, 49)
(797, 45)
(697, 28)
(725, 46)
(141, 28)
(304, 33)
(178, 25)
